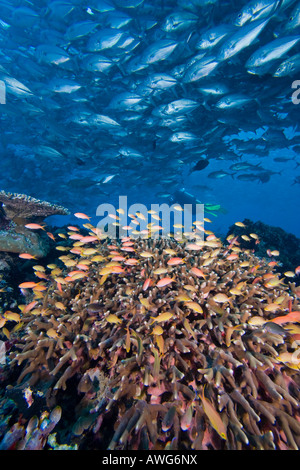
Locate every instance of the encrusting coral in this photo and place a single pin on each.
(170, 344)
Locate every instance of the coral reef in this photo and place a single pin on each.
(16, 211)
(34, 436)
(159, 344)
(270, 239)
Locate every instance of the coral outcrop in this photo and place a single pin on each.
(16, 211)
(270, 239)
(20, 208)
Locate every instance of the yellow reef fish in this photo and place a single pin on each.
(240, 224)
(273, 282)
(183, 298)
(17, 327)
(207, 262)
(275, 253)
(272, 307)
(103, 279)
(157, 330)
(51, 266)
(160, 343)
(169, 251)
(97, 258)
(52, 333)
(60, 306)
(146, 254)
(112, 318)
(160, 271)
(289, 274)
(165, 316)
(77, 276)
(145, 303)
(39, 268)
(256, 321)
(214, 417)
(69, 263)
(188, 328)
(89, 251)
(190, 288)
(291, 359)
(235, 291)
(221, 298)
(194, 306)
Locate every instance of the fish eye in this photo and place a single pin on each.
(291, 18)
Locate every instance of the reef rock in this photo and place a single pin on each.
(270, 238)
(17, 210)
(23, 241)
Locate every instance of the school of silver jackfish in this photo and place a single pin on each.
(132, 95)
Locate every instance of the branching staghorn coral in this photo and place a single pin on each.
(171, 345)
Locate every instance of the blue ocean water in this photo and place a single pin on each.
(103, 99)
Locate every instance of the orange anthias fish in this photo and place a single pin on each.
(198, 272)
(165, 281)
(147, 283)
(35, 226)
(76, 236)
(289, 318)
(175, 261)
(27, 285)
(80, 215)
(26, 256)
(29, 307)
(88, 239)
(50, 235)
